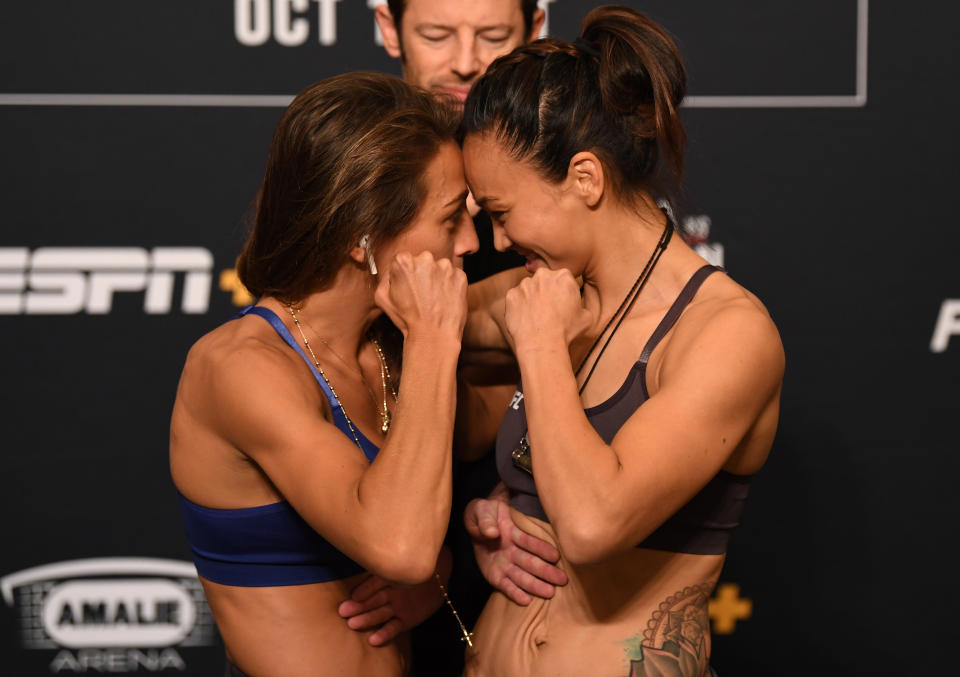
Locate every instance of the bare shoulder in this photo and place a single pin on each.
(235, 368)
(727, 325)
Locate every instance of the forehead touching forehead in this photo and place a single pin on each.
(492, 172)
(444, 179)
(453, 12)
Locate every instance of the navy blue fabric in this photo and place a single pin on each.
(268, 545)
(339, 418)
(260, 546)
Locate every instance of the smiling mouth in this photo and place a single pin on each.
(533, 261)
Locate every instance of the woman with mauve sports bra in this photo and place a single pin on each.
(650, 381)
(291, 486)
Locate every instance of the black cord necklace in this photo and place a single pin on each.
(521, 455)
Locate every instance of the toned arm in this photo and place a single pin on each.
(484, 337)
(717, 377)
(389, 516)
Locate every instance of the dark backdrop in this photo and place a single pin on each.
(821, 171)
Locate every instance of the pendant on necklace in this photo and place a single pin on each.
(385, 425)
(521, 456)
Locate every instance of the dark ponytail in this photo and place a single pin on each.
(615, 91)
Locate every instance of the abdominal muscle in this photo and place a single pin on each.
(642, 612)
(295, 631)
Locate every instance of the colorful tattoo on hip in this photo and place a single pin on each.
(676, 640)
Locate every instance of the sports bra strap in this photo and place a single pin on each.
(340, 420)
(673, 314)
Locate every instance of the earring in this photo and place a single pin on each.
(365, 244)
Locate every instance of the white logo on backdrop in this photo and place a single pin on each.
(111, 614)
(256, 21)
(697, 229)
(948, 324)
(67, 280)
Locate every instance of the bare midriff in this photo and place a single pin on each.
(295, 631)
(639, 607)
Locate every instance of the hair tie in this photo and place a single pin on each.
(587, 47)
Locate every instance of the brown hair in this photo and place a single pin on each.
(347, 159)
(614, 91)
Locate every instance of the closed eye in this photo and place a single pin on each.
(496, 35)
(457, 216)
(434, 34)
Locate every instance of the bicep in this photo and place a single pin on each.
(677, 441)
(486, 330)
(314, 466)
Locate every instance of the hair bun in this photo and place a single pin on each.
(640, 73)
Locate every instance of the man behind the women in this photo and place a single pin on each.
(444, 46)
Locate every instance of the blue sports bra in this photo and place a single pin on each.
(271, 544)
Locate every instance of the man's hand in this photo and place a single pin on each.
(514, 562)
(389, 608)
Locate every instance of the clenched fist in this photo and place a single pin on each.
(423, 295)
(546, 306)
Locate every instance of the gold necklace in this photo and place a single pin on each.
(316, 363)
(384, 373)
(337, 355)
(384, 379)
(465, 635)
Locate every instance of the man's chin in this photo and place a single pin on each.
(452, 99)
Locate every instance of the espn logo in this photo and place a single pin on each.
(68, 280)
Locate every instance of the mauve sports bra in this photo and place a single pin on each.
(268, 544)
(702, 526)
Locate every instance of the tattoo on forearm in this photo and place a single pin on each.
(675, 642)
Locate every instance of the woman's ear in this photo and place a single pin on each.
(585, 174)
(362, 254)
(359, 254)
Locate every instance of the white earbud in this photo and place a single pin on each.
(365, 244)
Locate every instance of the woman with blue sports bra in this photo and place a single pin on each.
(649, 380)
(302, 465)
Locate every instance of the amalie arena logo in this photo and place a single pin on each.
(113, 614)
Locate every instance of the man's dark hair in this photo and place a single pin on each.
(528, 7)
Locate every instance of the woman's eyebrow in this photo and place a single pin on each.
(458, 198)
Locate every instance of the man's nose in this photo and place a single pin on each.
(466, 63)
